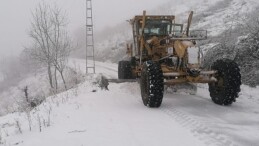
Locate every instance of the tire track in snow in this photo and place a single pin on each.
(199, 130)
(196, 127)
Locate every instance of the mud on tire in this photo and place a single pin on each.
(152, 84)
(124, 70)
(226, 89)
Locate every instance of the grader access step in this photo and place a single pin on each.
(122, 80)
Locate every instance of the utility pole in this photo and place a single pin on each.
(90, 58)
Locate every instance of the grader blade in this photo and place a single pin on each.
(122, 80)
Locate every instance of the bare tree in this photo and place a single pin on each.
(40, 28)
(61, 42)
(51, 43)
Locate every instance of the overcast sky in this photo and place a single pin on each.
(15, 16)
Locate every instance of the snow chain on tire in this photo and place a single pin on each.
(226, 89)
(152, 84)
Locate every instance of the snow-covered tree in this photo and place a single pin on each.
(51, 44)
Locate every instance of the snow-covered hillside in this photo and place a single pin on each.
(87, 115)
(215, 16)
(12, 98)
(222, 15)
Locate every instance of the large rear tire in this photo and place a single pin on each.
(152, 84)
(226, 89)
(124, 70)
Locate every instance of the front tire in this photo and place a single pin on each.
(226, 89)
(152, 84)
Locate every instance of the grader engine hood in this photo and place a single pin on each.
(181, 47)
(188, 50)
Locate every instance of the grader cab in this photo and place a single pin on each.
(165, 53)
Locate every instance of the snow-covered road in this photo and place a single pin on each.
(213, 124)
(118, 117)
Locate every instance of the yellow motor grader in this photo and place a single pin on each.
(164, 53)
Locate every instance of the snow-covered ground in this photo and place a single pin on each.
(87, 115)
